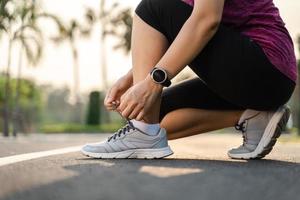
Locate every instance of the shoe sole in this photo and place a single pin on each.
(133, 153)
(269, 138)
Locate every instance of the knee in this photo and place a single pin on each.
(149, 12)
(154, 7)
(144, 6)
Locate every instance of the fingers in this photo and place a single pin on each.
(123, 102)
(132, 112)
(140, 115)
(113, 105)
(135, 112)
(110, 107)
(128, 110)
(110, 96)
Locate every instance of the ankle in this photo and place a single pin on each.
(150, 119)
(149, 129)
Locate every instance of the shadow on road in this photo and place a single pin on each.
(172, 179)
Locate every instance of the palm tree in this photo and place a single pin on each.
(70, 32)
(111, 20)
(18, 23)
(6, 18)
(30, 38)
(124, 20)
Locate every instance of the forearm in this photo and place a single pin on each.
(129, 76)
(191, 39)
(189, 42)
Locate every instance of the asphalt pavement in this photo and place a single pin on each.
(199, 169)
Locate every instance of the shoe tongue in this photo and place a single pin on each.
(249, 113)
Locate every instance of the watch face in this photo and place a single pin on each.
(159, 76)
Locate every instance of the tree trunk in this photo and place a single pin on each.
(16, 113)
(78, 113)
(6, 109)
(106, 116)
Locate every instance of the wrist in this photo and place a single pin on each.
(129, 78)
(160, 76)
(154, 85)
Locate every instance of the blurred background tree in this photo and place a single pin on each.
(30, 40)
(94, 108)
(30, 102)
(70, 32)
(6, 18)
(18, 23)
(114, 21)
(56, 107)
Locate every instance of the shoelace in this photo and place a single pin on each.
(125, 129)
(243, 128)
(122, 131)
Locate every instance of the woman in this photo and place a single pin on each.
(246, 67)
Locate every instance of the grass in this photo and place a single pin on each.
(79, 128)
(293, 137)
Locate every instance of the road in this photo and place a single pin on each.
(199, 169)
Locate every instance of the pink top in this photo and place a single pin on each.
(260, 20)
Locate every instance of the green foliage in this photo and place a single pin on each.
(56, 109)
(18, 21)
(115, 21)
(93, 115)
(77, 128)
(123, 19)
(2, 84)
(6, 15)
(67, 31)
(30, 101)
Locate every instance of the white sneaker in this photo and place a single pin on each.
(260, 130)
(130, 142)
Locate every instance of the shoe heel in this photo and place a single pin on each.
(280, 127)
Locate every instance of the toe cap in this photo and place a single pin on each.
(239, 150)
(94, 148)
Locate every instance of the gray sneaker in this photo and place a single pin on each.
(260, 130)
(130, 142)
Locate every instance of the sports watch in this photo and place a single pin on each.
(160, 76)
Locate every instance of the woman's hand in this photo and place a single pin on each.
(117, 90)
(139, 99)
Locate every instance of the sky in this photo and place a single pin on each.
(56, 65)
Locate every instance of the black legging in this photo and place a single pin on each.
(234, 73)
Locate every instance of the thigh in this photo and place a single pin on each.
(166, 16)
(192, 93)
(237, 69)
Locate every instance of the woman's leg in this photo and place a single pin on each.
(232, 65)
(144, 59)
(148, 46)
(190, 108)
(186, 122)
